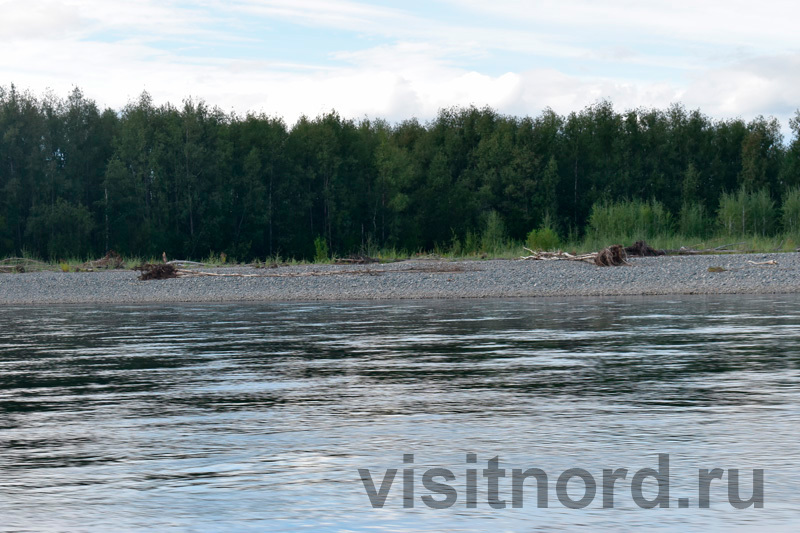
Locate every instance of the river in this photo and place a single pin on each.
(268, 416)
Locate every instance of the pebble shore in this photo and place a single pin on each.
(418, 280)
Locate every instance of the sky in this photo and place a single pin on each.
(397, 60)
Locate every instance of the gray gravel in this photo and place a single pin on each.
(419, 279)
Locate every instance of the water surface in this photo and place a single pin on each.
(259, 416)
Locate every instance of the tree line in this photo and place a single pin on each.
(193, 180)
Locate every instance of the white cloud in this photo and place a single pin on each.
(31, 20)
(762, 85)
(341, 14)
(413, 64)
(738, 23)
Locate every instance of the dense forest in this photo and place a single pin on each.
(193, 180)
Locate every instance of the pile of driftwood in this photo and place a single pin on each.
(169, 270)
(14, 265)
(112, 260)
(614, 255)
(22, 264)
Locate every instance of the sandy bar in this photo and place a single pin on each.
(418, 280)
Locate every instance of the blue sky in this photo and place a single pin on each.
(398, 60)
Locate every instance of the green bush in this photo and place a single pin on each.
(694, 221)
(494, 233)
(632, 219)
(321, 250)
(471, 243)
(790, 211)
(545, 238)
(764, 214)
(455, 245)
(747, 213)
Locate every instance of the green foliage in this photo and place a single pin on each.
(747, 213)
(633, 219)
(62, 230)
(185, 179)
(691, 185)
(471, 243)
(790, 211)
(6, 240)
(694, 221)
(545, 238)
(321, 252)
(494, 233)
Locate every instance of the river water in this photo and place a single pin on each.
(266, 416)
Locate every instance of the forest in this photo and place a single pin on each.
(194, 181)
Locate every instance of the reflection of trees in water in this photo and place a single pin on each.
(677, 351)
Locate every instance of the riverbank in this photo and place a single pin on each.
(419, 280)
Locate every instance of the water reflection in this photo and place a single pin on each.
(258, 416)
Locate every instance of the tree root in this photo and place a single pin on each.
(614, 255)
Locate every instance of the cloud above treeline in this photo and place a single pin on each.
(398, 60)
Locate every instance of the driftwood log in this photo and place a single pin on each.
(356, 259)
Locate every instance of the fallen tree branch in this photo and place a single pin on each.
(184, 262)
(748, 264)
(724, 246)
(358, 259)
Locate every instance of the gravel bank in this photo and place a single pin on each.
(419, 279)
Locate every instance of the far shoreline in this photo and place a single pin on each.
(419, 280)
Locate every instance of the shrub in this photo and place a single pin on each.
(471, 243)
(494, 233)
(633, 219)
(545, 238)
(790, 211)
(455, 245)
(320, 250)
(694, 221)
(747, 213)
